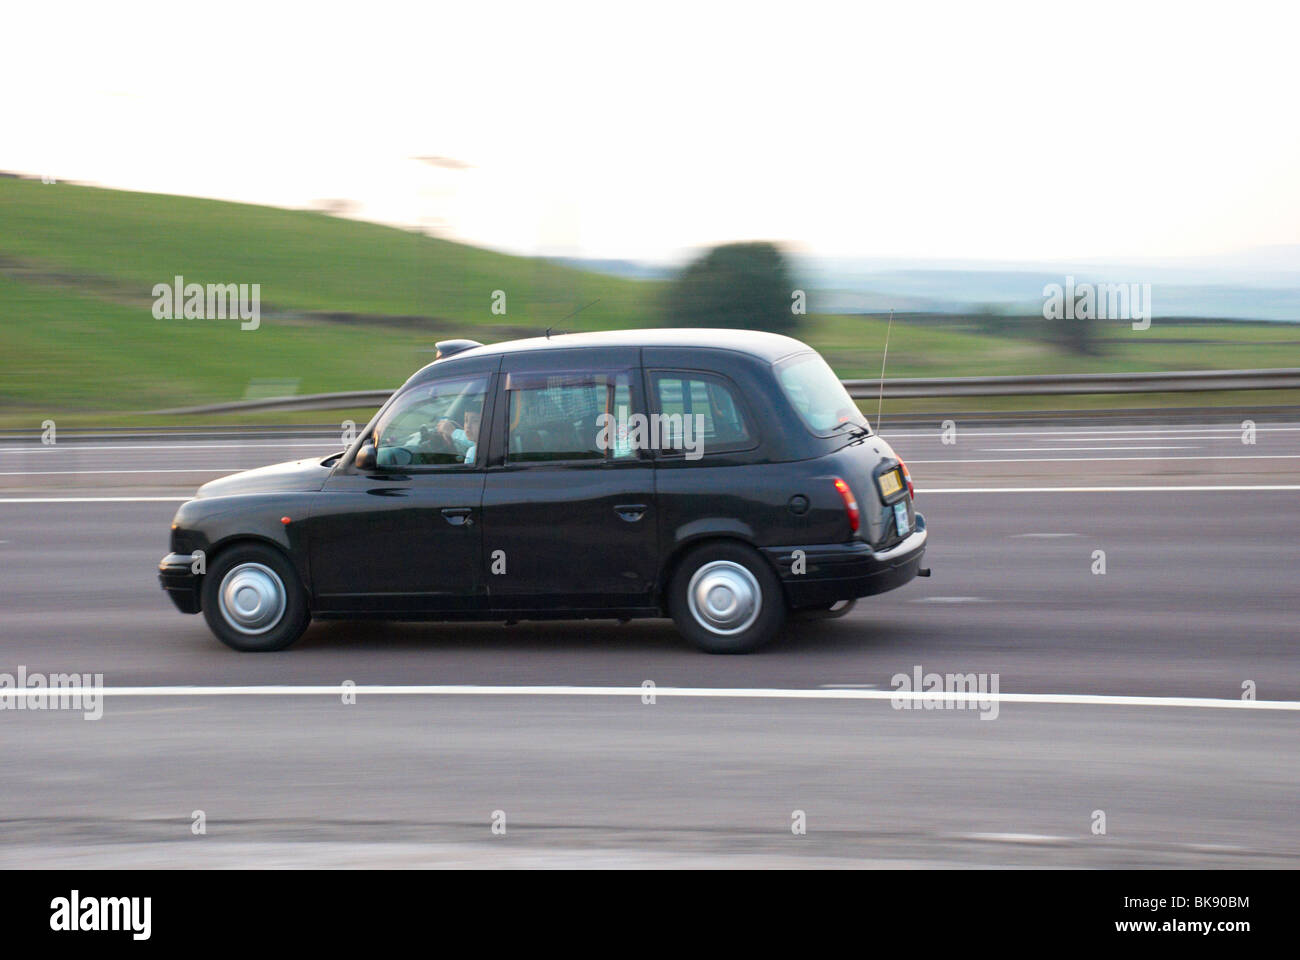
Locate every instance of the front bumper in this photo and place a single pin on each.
(846, 571)
(177, 577)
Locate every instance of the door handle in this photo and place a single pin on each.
(631, 512)
(459, 516)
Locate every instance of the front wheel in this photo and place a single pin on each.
(253, 600)
(725, 598)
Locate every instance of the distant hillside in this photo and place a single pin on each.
(1261, 284)
(304, 261)
(348, 305)
(344, 304)
(1262, 287)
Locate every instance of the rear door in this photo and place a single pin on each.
(569, 501)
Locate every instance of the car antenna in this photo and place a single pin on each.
(573, 314)
(880, 404)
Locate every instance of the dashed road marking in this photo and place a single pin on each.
(94, 499)
(1244, 456)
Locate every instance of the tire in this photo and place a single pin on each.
(706, 598)
(253, 600)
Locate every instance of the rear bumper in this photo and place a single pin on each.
(176, 576)
(846, 571)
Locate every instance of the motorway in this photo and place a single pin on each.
(1199, 597)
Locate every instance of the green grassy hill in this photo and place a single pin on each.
(304, 261)
(345, 305)
(349, 305)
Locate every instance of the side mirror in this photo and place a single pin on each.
(366, 456)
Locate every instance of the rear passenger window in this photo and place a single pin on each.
(568, 416)
(699, 415)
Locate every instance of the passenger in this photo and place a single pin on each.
(464, 439)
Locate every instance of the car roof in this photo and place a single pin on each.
(768, 346)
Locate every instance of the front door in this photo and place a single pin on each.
(405, 537)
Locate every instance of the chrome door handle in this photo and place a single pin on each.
(458, 516)
(631, 512)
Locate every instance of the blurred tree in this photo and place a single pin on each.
(1078, 333)
(740, 285)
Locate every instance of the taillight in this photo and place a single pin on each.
(911, 491)
(850, 504)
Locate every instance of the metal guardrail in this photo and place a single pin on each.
(308, 401)
(1173, 381)
(1177, 381)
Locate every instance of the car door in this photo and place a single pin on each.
(568, 500)
(405, 536)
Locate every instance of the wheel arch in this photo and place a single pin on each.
(684, 545)
(254, 539)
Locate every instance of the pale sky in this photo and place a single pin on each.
(972, 130)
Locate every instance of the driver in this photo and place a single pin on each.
(464, 439)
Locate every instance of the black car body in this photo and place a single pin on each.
(514, 481)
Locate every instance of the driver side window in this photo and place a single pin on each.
(435, 424)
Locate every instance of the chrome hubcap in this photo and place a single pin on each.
(724, 597)
(252, 598)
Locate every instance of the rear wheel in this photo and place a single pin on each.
(252, 599)
(725, 598)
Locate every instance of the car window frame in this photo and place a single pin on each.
(485, 427)
(501, 452)
(738, 398)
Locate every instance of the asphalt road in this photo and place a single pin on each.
(1199, 597)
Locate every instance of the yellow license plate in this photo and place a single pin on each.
(890, 483)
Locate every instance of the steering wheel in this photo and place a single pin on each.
(430, 430)
(430, 439)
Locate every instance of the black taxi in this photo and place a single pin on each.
(724, 478)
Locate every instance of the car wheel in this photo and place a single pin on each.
(725, 598)
(253, 599)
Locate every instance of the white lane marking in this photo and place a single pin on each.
(1086, 432)
(848, 686)
(1244, 456)
(950, 600)
(1234, 437)
(88, 473)
(735, 693)
(1173, 446)
(1041, 536)
(1146, 489)
(1042, 838)
(94, 499)
(232, 445)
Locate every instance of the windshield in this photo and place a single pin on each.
(817, 394)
